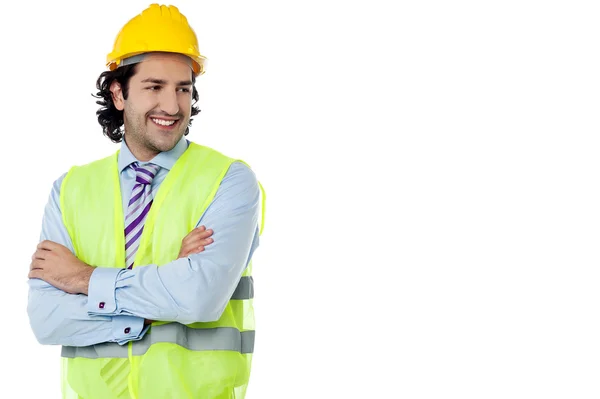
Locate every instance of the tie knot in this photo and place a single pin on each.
(145, 174)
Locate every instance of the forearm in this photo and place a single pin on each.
(188, 290)
(58, 318)
(196, 288)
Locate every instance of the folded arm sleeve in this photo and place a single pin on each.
(59, 318)
(196, 288)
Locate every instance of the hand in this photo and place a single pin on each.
(55, 264)
(195, 241)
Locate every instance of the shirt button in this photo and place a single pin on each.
(127, 330)
(101, 305)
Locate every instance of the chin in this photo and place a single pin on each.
(166, 144)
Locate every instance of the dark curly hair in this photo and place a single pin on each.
(109, 117)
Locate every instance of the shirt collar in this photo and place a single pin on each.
(164, 159)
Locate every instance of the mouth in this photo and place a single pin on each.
(164, 123)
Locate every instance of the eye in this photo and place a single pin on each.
(153, 88)
(185, 89)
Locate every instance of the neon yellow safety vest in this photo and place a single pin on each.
(173, 360)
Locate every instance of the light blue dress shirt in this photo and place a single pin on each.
(187, 290)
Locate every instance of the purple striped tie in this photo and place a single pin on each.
(138, 208)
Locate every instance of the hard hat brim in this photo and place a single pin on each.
(198, 62)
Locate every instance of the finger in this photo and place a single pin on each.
(36, 264)
(48, 245)
(36, 273)
(196, 230)
(39, 254)
(195, 243)
(190, 247)
(206, 241)
(195, 250)
(193, 233)
(195, 237)
(206, 233)
(44, 254)
(201, 241)
(200, 234)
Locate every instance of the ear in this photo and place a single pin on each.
(117, 95)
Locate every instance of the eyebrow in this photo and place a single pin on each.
(163, 82)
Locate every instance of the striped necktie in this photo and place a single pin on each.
(138, 208)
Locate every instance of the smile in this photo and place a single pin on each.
(163, 122)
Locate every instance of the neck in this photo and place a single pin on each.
(140, 152)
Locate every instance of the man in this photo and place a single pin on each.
(143, 272)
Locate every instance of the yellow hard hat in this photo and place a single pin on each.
(158, 28)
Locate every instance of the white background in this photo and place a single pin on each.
(432, 179)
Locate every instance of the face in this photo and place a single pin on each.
(158, 106)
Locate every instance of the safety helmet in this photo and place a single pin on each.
(158, 28)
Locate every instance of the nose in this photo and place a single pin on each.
(168, 102)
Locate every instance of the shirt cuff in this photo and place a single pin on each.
(101, 291)
(128, 328)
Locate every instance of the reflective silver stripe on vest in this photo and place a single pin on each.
(244, 289)
(196, 339)
(107, 349)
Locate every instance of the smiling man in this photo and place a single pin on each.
(160, 77)
(143, 270)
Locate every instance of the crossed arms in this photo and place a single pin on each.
(65, 293)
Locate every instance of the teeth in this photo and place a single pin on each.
(163, 122)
